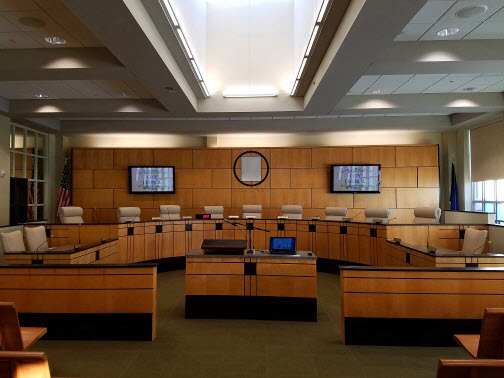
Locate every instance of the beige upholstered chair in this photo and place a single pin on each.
(377, 214)
(12, 241)
(128, 214)
(252, 211)
(169, 212)
(36, 238)
(216, 212)
(292, 211)
(71, 214)
(336, 213)
(427, 215)
(474, 241)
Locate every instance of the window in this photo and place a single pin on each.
(28, 156)
(488, 196)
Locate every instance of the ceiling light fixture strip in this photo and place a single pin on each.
(170, 15)
(315, 31)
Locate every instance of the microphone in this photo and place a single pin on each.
(235, 225)
(352, 218)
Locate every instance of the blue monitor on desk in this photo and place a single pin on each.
(282, 245)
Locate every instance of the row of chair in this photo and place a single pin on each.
(36, 238)
(423, 215)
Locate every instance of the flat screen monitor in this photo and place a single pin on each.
(363, 178)
(151, 180)
(282, 245)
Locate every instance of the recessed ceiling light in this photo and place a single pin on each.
(469, 89)
(31, 22)
(170, 90)
(41, 95)
(472, 11)
(125, 94)
(378, 91)
(55, 40)
(447, 32)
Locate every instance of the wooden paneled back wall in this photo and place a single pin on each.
(298, 176)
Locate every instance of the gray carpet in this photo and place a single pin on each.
(241, 348)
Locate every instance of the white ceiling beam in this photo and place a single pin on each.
(448, 103)
(61, 64)
(440, 57)
(368, 28)
(61, 109)
(126, 29)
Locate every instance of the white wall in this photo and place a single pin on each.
(4, 166)
(120, 140)
(191, 15)
(250, 45)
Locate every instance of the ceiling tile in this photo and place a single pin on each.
(488, 30)
(418, 83)
(362, 84)
(450, 16)
(432, 11)
(56, 89)
(17, 40)
(73, 26)
(138, 89)
(40, 36)
(6, 26)
(499, 87)
(465, 28)
(16, 18)
(388, 83)
(450, 83)
(16, 5)
(114, 87)
(487, 79)
(87, 88)
(49, 4)
(412, 32)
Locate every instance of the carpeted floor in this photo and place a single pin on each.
(241, 348)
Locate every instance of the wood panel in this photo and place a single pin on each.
(212, 158)
(417, 156)
(386, 198)
(310, 178)
(82, 179)
(93, 198)
(285, 286)
(291, 158)
(326, 156)
(298, 176)
(410, 198)
(399, 177)
(428, 177)
(126, 157)
(374, 155)
(177, 157)
(281, 197)
(92, 159)
(110, 179)
(280, 178)
(215, 285)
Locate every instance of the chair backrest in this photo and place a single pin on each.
(12, 241)
(470, 369)
(427, 215)
(252, 211)
(128, 214)
(491, 344)
(10, 332)
(71, 214)
(216, 212)
(24, 365)
(374, 214)
(474, 241)
(169, 212)
(36, 238)
(336, 213)
(292, 211)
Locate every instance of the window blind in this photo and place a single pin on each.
(487, 152)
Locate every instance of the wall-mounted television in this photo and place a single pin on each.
(363, 178)
(148, 180)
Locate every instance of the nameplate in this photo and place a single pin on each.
(378, 221)
(233, 217)
(315, 218)
(250, 217)
(397, 240)
(282, 217)
(431, 249)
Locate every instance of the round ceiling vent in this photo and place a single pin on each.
(472, 11)
(31, 22)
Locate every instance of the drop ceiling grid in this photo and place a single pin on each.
(438, 15)
(58, 21)
(428, 83)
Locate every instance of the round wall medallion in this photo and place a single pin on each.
(251, 183)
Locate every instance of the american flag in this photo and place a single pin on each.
(64, 193)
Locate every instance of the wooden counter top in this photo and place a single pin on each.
(301, 255)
